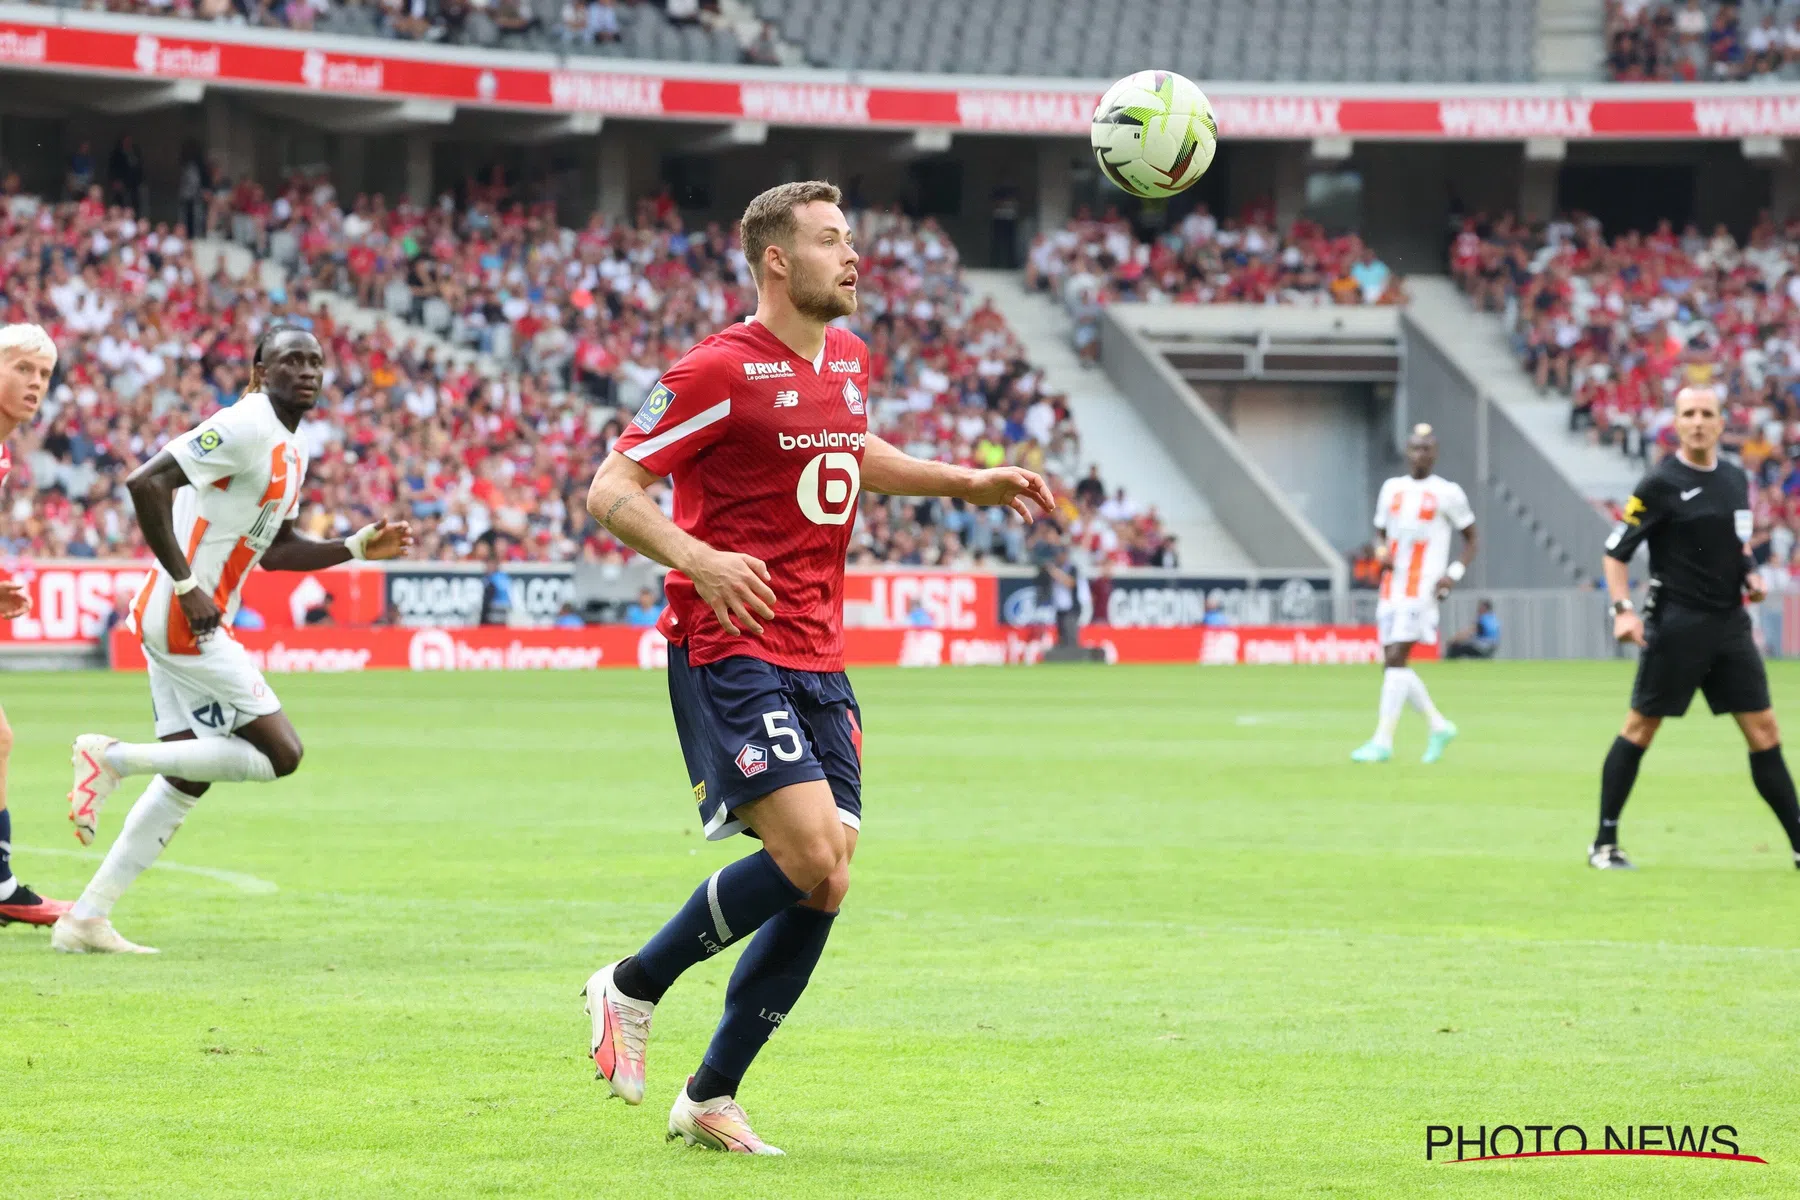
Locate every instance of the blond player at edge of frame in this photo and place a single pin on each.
(1415, 514)
(213, 504)
(27, 362)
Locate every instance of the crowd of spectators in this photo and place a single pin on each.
(575, 326)
(1093, 262)
(1621, 324)
(1695, 41)
(509, 24)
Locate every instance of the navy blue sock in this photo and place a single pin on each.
(730, 905)
(5, 844)
(768, 980)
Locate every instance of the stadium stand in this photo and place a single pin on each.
(1702, 42)
(606, 28)
(1093, 262)
(1295, 40)
(1619, 325)
(1291, 40)
(576, 325)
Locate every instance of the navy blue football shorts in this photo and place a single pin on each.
(749, 728)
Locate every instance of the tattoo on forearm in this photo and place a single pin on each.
(613, 510)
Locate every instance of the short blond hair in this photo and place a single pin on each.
(769, 221)
(27, 339)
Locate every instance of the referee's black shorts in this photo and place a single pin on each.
(1712, 651)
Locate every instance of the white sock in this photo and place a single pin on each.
(203, 760)
(11, 885)
(1393, 703)
(152, 821)
(1420, 699)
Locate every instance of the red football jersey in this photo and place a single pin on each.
(766, 453)
(5, 461)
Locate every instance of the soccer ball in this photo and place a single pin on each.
(1154, 134)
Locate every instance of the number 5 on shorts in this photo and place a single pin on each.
(772, 722)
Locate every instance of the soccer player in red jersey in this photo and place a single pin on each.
(27, 361)
(764, 428)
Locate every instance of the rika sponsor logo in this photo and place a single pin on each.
(822, 440)
(590, 91)
(853, 398)
(1482, 1143)
(847, 366)
(189, 62)
(16, 47)
(769, 370)
(321, 72)
(752, 760)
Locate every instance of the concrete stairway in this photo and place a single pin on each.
(1113, 435)
(1479, 342)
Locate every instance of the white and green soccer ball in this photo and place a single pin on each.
(1154, 134)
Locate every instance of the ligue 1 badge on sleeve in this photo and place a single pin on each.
(655, 405)
(1745, 522)
(208, 441)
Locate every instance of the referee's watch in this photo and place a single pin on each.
(1621, 607)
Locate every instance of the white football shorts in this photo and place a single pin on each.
(213, 693)
(1407, 621)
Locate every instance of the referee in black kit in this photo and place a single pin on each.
(1693, 510)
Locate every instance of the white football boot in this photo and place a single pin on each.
(717, 1124)
(95, 780)
(91, 935)
(621, 1035)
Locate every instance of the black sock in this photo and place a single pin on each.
(708, 1084)
(765, 985)
(1769, 770)
(5, 845)
(727, 907)
(1616, 778)
(630, 977)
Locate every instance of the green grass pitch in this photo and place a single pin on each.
(1129, 931)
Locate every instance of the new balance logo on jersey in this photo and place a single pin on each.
(774, 370)
(787, 399)
(822, 440)
(849, 366)
(853, 398)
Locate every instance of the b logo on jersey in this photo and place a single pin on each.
(827, 489)
(655, 405)
(853, 397)
(208, 441)
(788, 399)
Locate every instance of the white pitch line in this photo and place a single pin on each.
(237, 879)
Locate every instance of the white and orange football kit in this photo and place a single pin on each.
(1415, 518)
(245, 468)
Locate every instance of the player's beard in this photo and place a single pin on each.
(818, 301)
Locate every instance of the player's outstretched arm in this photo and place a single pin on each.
(735, 586)
(892, 472)
(294, 551)
(152, 489)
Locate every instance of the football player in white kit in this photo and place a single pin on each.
(1415, 514)
(213, 503)
(27, 361)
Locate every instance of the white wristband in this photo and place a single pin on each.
(184, 586)
(358, 543)
(1456, 571)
